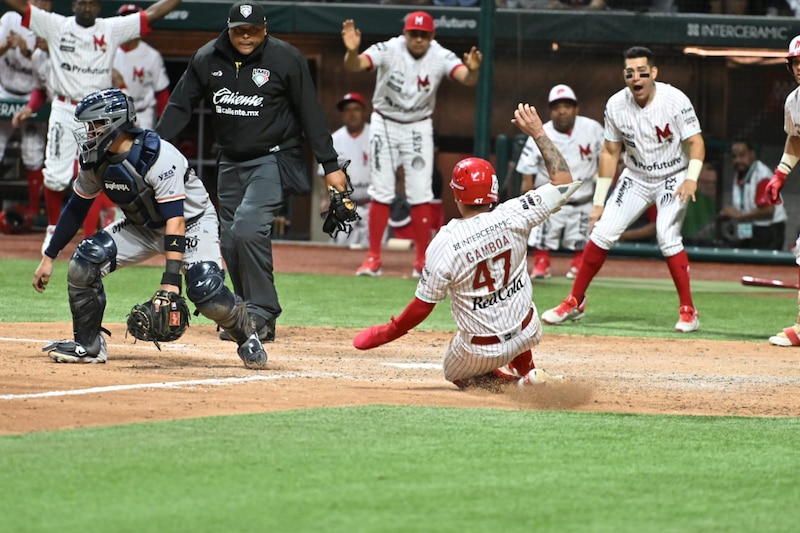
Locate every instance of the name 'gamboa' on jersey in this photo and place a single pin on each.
(225, 97)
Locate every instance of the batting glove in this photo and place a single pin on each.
(775, 185)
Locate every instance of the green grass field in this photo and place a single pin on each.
(403, 469)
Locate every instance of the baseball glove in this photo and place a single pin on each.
(342, 209)
(163, 318)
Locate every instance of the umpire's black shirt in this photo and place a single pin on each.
(260, 103)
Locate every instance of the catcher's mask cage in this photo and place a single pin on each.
(105, 114)
(474, 182)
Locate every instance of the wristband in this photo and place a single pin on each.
(693, 171)
(175, 243)
(601, 191)
(172, 274)
(788, 161)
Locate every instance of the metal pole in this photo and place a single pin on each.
(483, 107)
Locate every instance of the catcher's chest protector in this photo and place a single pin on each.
(124, 183)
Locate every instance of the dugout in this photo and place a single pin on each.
(730, 66)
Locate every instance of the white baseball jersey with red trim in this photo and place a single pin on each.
(356, 149)
(791, 113)
(652, 135)
(16, 70)
(580, 148)
(405, 87)
(145, 74)
(82, 58)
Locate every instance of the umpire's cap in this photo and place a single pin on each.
(246, 13)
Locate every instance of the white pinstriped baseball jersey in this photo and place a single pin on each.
(144, 73)
(580, 148)
(82, 58)
(16, 70)
(405, 88)
(652, 135)
(480, 262)
(791, 113)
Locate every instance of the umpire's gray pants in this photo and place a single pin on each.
(250, 195)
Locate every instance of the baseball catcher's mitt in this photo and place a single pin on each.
(342, 209)
(163, 318)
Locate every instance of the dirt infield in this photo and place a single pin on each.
(313, 367)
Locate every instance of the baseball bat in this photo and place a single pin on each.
(764, 282)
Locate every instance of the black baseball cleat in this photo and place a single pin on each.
(266, 333)
(252, 352)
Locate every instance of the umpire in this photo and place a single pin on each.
(263, 102)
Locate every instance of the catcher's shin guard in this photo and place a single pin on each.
(87, 297)
(205, 287)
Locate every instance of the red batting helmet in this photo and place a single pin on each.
(474, 182)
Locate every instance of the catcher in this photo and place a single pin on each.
(167, 211)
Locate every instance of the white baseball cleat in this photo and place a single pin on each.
(538, 376)
(568, 309)
(689, 319)
(48, 236)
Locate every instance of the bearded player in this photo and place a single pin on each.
(409, 69)
(479, 261)
(664, 152)
(791, 153)
(167, 212)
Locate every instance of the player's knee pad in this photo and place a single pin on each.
(87, 298)
(205, 287)
(91, 255)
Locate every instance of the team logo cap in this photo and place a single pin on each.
(351, 97)
(246, 13)
(419, 20)
(128, 9)
(562, 92)
(794, 47)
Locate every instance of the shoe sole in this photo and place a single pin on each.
(570, 318)
(688, 328)
(369, 273)
(63, 358)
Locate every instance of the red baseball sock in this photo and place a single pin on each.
(523, 363)
(537, 253)
(35, 182)
(53, 202)
(421, 224)
(378, 219)
(577, 259)
(593, 258)
(679, 270)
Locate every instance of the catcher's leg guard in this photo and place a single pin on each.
(205, 287)
(87, 297)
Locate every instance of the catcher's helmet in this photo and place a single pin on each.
(105, 114)
(474, 182)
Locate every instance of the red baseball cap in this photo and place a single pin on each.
(127, 9)
(419, 20)
(351, 97)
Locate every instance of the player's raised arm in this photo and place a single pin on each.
(351, 37)
(18, 5)
(158, 10)
(527, 120)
